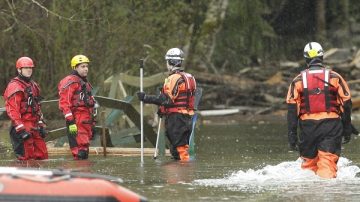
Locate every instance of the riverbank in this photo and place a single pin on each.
(239, 118)
(273, 117)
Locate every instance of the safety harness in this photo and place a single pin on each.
(82, 95)
(186, 97)
(31, 101)
(318, 94)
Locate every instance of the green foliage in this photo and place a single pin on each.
(245, 34)
(116, 34)
(113, 34)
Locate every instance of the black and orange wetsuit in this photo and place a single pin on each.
(176, 102)
(319, 101)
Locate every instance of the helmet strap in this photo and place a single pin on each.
(175, 63)
(314, 61)
(22, 77)
(74, 72)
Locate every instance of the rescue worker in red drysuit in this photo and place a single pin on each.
(176, 102)
(22, 102)
(319, 101)
(77, 105)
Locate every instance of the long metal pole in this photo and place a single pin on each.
(157, 139)
(142, 112)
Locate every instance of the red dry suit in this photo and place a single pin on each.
(77, 105)
(22, 102)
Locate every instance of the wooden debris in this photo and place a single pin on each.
(276, 79)
(338, 56)
(355, 103)
(130, 80)
(218, 112)
(356, 61)
(289, 64)
(109, 151)
(229, 80)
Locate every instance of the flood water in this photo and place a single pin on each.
(249, 161)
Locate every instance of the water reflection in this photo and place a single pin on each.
(27, 164)
(178, 172)
(81, 166)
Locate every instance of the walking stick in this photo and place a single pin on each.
(157, 139)
(142, 112)
(192, 136)
(103, 132)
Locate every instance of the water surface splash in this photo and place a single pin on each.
(283, 176)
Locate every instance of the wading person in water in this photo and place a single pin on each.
(319, 101)
(77, 105)
(176, 102)
(22, 102)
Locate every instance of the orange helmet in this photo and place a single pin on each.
(24, 62)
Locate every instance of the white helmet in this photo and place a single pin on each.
(174, 54)
(313, 50)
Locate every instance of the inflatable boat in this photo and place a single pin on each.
(21, 184)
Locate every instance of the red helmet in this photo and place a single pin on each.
(24, 62)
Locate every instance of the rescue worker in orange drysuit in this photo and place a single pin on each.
(319, 101)
(176, 102)
(77, 105)
(22, 102)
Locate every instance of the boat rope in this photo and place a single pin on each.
(42, 178)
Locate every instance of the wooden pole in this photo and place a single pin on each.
(103, 132)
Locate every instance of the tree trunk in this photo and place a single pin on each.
(204, 31)
(320, 20)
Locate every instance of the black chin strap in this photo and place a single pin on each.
(74, 72)
(314, 61)
(24, 78)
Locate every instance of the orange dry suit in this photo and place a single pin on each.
(176, 102)
(77, 105)
(319, 101)
(22, 102)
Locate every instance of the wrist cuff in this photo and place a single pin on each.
(70, 122)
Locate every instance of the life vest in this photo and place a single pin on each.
(186, 96)
(82, 95)
(31, 101)
(318, 94)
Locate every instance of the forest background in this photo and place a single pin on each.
(219, 37)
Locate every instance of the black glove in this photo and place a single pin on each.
(346, 121)
(43, 132)
(293, 141)
(23, 134)
(93, 132)
(141, 95)
(294, 147)
(354, 130)
(346, 139)
(347, 131)
(159, 113)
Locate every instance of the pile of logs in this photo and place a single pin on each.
(266, 86)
